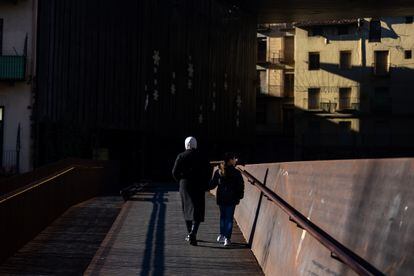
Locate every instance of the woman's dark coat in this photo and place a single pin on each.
(230, 187)
(192, 172)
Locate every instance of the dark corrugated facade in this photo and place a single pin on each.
(136, 77)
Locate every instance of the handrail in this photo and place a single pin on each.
(338, 250)
(33, 185)
(40, 182)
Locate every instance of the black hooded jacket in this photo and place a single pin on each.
(230, 187)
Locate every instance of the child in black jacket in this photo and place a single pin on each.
(230, 189)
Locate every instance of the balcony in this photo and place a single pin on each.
(331, 106)
(348, 104)
(328, 106)
(12, 68)
(273, 59)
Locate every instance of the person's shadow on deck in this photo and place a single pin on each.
(154, 255)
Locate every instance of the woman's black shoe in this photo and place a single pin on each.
(193, 240)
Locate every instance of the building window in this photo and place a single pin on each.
(314, 63)
(314, 98)
(345, 60)
(407, 54)
(315, 31)
(408, 19)
(344, 98)
(381, 65)
(382, 100)
(343, 30)
(375, 31)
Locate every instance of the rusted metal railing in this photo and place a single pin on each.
(338, 250)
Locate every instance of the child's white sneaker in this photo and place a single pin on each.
(220, 238)
(227, 242)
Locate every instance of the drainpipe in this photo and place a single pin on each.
(18, 146)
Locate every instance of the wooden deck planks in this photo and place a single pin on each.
(68, 245)
(144, 237)
(148, 239)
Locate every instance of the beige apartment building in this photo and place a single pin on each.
(17, 70)
(353, 88)
(275, 105)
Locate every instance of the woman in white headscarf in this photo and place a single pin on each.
(191, 170)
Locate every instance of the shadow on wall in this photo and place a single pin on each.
(374, 124)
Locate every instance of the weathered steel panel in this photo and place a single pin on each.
(364, 204)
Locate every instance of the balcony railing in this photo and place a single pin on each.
(276, 57)
(331, 105)
(12, 68)
(272, 57)
(328, 106)
(9, 162)
(348, 104)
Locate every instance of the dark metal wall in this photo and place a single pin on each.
(98, 84)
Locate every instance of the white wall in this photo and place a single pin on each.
(16, 100)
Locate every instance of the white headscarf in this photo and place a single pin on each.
(190, 143)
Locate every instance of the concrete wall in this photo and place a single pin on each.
(364, 204)
(18, 21)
